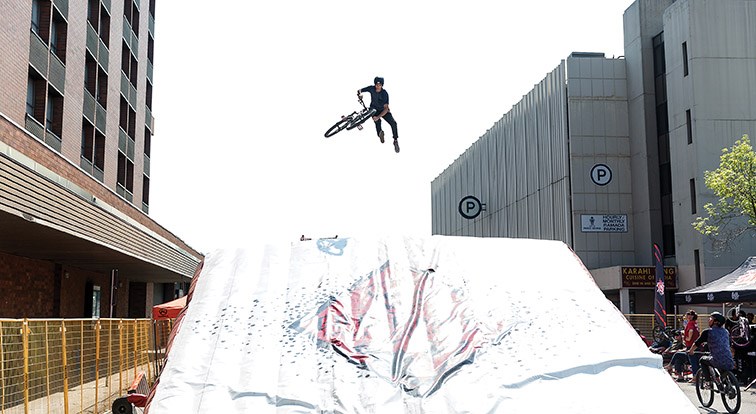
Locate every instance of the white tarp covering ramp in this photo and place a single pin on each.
(407, 325)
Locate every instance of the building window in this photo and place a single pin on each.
(35, 96)
(35, 17)
(146, 190)
(54, 113)
(147, 141)
(92, 145)
(90, 74)
(127, 119)
(150, 49)
(131, 12)
(93, 13)
(104, 29)
(689, 126)
(148, 94)
(693, 201)
(697, 264)
(40, 18)
(58, 31)
(30, 88)
(685, 58)
(125, 176)
(102, 87)
(662, 132)
(129, 64)
(99, 18)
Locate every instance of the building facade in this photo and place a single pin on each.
(75, 135)
(608, 155)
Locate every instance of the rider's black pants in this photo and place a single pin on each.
(705, 362)
(390, 119)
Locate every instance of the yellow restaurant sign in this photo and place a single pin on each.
(644, 277)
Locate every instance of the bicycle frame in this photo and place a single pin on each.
(353, 120)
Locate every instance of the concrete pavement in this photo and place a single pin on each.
(748, 404)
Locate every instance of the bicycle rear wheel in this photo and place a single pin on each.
(360, 118)
(337, 127)
(704, 389)
(730, 392)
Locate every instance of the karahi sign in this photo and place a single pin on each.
(644, 277)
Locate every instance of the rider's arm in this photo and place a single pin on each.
(700, 341)
(384, 111)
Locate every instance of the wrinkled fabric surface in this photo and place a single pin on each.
(433, 324)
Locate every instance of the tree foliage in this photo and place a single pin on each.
(734, 184)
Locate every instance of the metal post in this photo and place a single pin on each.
(47, 366)
(65, 365)
(25, 340)
(146, 350)
(97, 366)
(81, 365)
(2, 372)
(136, 344)
(113, 278)
(120, 355)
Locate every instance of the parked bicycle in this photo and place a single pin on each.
(351, 121)
(665, 334)
(722, 382)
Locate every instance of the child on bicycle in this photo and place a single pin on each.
(379, 100)
(718, 340)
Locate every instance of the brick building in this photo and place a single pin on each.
(75, 132)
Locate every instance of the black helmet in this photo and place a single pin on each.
(378, 79)
(718, 317)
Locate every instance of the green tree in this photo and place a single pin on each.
(734, 183)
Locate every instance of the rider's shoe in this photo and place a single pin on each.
(380, 135)
(396, 145)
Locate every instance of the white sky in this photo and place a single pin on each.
(244, 91)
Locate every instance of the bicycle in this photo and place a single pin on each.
(666, 334)
(722, 382)
(351, 121)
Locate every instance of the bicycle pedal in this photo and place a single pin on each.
(359, 127)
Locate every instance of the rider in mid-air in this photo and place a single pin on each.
(379, 100)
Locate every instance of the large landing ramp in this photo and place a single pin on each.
(431, 324)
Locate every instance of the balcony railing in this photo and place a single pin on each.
(33, 126)
(101, 117)
(53, 140)
(57, 73)
(89, 106)
(92, 39)
(38, 53)
(62, 5)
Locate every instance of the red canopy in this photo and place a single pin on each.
(168, 310)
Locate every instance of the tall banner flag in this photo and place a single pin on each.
(660, 311)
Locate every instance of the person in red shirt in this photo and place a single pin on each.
(691, 329)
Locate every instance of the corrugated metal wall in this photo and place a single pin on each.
(519, 169)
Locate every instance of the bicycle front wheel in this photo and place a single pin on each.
(730, 392)
(704, 389)
(658, 333)
(337, 127)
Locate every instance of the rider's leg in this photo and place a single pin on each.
(390, 119)
(694, 363)
(378, 127)
(705, 366)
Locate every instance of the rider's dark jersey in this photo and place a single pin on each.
(718, 340)
(377, 99)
